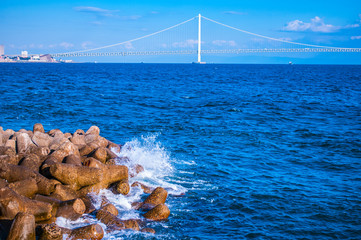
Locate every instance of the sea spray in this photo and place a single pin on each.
(149, 153)
(155, 159)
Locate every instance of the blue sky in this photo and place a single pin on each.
(40, 26)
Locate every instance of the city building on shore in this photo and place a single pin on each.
(2, 50)
(26, 57)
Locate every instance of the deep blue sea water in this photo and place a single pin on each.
(261, 151)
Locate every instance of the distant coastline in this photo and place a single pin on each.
(29, 58)
(25, 58)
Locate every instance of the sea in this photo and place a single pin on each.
(244, 151)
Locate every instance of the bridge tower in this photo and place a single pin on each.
(199, 40)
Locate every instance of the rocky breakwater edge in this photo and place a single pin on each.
(44, 176)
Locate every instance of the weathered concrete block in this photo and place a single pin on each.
(38, 127)
(93, 130)
(42, 139)
(23, 142)
(23, 227)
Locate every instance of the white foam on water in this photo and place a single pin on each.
(149, 153)
(188, 162)
(155, 160)
(81, 222)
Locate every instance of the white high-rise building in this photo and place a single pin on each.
(2, 52)
(24, 54)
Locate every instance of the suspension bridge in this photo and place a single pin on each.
(255, 44)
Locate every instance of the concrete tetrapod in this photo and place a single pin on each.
(93, 232)
(12, 203)
(54, 232)
(114, 223)
(158, 196)
(64, 193)
(23, 227)
(26, 187)
(160, 212)
(145, 188)
(76, 176)
(110, 174)
(71, 209)
(13, 173)
(121, 187)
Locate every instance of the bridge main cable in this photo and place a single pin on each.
(269, 38)
(129, 41)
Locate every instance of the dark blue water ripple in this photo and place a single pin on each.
(265, 151)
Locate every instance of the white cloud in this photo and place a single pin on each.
(97, 11)
(100, 13)
(97, 23)
(187, 43)
(91, 9)
(66, 45)
(36, 46)
(132, 17)
(234, 13)
(231, 43)
(86, 45)
(355, 37)
(258, 40)
(316, 24)
(352, 26)
(52, 45)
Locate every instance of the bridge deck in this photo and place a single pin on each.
(227, 51)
